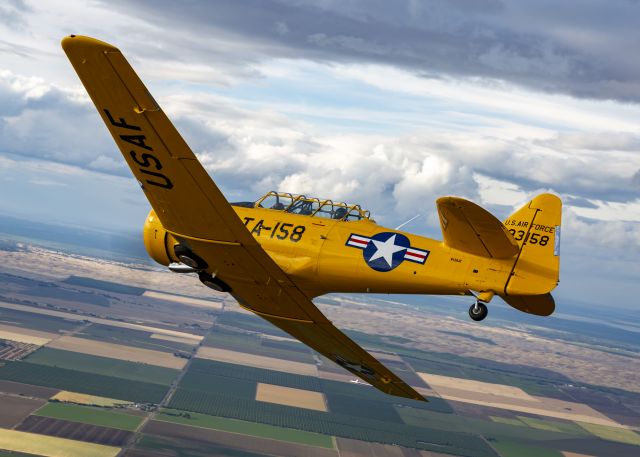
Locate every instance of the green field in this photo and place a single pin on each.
(377, 429)
(508, 448)
(82, 382)
(256, 344)
(130, 337)
(552, 425)
(500, 428)
(103, 366)
(35, 321)
(104, 285)
(507, 420)
(620, 435)
(246, 428)
(89, 415)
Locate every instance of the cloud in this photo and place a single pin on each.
(575, 48)
(40, 120)
(12, 13)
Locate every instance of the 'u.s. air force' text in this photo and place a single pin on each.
(148, 164)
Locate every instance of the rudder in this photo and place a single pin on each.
(536, 228)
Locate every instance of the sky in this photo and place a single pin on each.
(386, 104)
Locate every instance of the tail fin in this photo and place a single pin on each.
(536, 228)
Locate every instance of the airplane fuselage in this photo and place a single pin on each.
(327, 255)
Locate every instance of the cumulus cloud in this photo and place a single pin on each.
(38, 119)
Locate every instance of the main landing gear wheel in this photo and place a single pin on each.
(214, 283)
(478, 311)
(189, 258)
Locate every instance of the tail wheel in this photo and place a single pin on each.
(214, 283)
(189, 258)
(478, 311)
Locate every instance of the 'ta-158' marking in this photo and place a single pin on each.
(281, 231)
(146, 160)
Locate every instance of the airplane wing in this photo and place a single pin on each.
(191, 207)
(470, 228)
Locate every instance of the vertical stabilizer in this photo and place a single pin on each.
(536, 228)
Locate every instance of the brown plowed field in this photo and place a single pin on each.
(27, 390)
(14, 409)
(236, 441)
(75, 431)
(355, 448)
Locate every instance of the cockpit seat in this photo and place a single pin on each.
(340, 213)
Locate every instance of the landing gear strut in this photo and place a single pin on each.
(214, 283)
(478, 311)
(189, 258)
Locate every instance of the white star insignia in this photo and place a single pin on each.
(385, 250)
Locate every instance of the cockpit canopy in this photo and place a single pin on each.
(311, 206)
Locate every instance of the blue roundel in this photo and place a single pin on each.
(386, 251)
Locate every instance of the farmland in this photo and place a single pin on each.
(32, 443)
(84, 399)
(41, 322)
(117, 351)
(291, 397)
(246, 428)
(74, 431)
(205, 390)
(103, 366)
(136, 338)
(15, 409)
(229, 407)
(78, 381)
(106, 286)
(89, 415)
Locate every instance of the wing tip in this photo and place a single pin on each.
(79, 41)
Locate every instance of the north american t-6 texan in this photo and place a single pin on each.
(276, 254)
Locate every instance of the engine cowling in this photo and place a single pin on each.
(158, 242)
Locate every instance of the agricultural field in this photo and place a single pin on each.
(245, 428)
(266, 394)
(106, 286)
(103, 366)
(75, 431)
(182, 299)
(35, 321)
(23, 335)
(31, 443)
(259, 361)
(299, 398)
(257, 344)
(89, 415)
(15, 409)
(512, 399)
(118, 351)
(351, 421)
(175, 439)
(89, 400)
(82, 382)
(620, 435)
(138, 338)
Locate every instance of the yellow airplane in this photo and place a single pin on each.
(275, 255)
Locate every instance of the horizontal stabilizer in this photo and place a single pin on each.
(540, 305)
(472, 229)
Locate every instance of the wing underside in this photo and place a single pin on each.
(191, 207)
